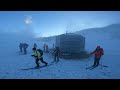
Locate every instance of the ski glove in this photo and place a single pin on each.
(32, 55)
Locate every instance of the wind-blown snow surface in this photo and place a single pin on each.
(11, 62)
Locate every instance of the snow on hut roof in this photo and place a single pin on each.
(72, 34)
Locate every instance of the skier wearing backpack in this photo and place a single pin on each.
(38, 57)
(98, 52)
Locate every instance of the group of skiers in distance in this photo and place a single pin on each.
(38, 53)
(98, 53)
(23, 47)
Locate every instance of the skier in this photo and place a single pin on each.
(21, 46)
(53, 45)
(44, 47)
(47, 48)
(98, 52)
(35, 45)
(56, 54)
(25, 46)
(38, 57)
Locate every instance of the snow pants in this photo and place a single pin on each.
(41, 59)
(96, 61)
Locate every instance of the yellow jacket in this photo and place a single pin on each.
(37, 53)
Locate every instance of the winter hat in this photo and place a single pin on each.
(33, 48)
(98, 46)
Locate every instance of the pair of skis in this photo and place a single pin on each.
(92, 67)
(38, 67)
(55, 62)
(21, 53)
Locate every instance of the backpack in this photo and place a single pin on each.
(102, 51)
(41, 52)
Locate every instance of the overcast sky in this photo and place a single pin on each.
(48, 23)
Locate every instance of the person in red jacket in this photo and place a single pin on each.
(98, 52)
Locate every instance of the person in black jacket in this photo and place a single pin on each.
(21, 46)
(56, 54)
(25, 46)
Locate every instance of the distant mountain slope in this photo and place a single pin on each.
(112, 30)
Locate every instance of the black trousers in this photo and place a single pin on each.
(20, 49)
(56, 58)
(41, 59)
(25, 50)
(96, 61)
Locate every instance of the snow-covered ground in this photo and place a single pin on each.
(11, 62)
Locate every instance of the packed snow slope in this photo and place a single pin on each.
(11, 62)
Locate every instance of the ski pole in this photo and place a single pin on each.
(101, 63)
